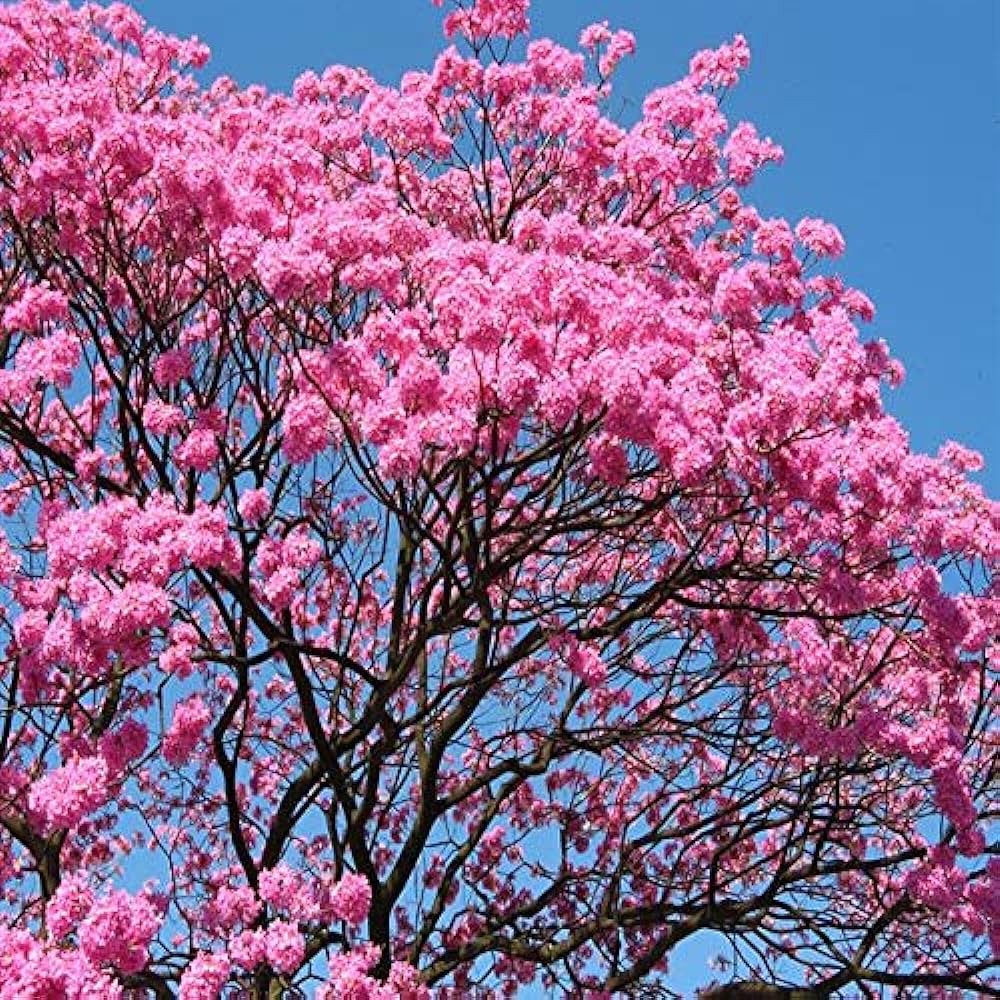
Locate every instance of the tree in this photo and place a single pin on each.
(452, 542)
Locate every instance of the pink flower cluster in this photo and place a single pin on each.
(349, 977)
(113, 929)
(291, 891)
(486, 18)
(191, 717)
(68, 794)
(32, 968)
(612, 45)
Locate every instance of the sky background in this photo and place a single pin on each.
(888, 112)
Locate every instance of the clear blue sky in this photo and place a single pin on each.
(888, 111)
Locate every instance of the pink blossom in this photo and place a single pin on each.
(163, 418)
(586, 664)
(10, 564)
(502, 18)
(30, 970)
(350, 899)
(204, 977)
(64, 796)
(284, 946)
(305, 426)
(254, 504)
(52, 359)
(33, 306)
(233, 906)
(190, 719)
(283, 887)
(118, 930)
(819, 237)
(615, 45)
(747, 153)
(281, 586)
(249, 949)
(721, 67)
(68, 907)
(451, 482)
(120, 747)
(198, 451)
(89, 463)
(735, 296)
(173, 366)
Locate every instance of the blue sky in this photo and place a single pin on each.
(888, 112)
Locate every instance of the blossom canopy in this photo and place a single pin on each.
(453, 543)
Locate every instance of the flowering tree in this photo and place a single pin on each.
(452, 542)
